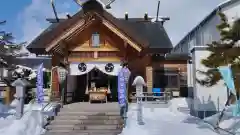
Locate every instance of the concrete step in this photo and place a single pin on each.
(60, 127)
(97, 127)
(79, 132)
(77, 113)
(72, 117)
(83, 127)
(87, 122)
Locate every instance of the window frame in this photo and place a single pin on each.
(169, 75)
(95, 35)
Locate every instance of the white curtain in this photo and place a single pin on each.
(75, 71)
(90, 66)
(99, 65)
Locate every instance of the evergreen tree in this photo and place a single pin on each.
(8, 52)
(223, 52)
(7, 47)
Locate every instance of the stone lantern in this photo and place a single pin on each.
(139, 83)
(20, 85)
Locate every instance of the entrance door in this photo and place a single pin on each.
(100, 79)
(166, 79)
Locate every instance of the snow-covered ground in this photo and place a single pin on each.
(158, 119)
(31, 123)
(169, 121)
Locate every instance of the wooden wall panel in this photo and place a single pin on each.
(149, 78)
(106, 59)
(180, 67)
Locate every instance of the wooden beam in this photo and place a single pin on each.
(121, 35)
(110, 40)
(125, 44)
(87, 20)
(96, 49)
(58, 50)
(102, 59)
(65, 34)
(75, 33)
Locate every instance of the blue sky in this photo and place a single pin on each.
(10, 15)
(27, 18)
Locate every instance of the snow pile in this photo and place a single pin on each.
(6, 112)
(3, 108)
(170, 121)
(163, 121)
(177, 103)
(6, 117)
(228, 121)
(132, 125)
(30, 124)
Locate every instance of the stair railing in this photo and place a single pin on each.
(153, 96)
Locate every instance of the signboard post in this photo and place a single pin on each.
(123, 78)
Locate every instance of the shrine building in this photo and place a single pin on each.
(92, 44)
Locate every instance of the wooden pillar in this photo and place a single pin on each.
(149, 78)
(55, 91)
(126, 59)
(7, 95)
(66, 63)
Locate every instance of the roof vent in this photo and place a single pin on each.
(126, 16)
(146, 16)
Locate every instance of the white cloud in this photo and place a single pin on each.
(33, 17)
(184, 14)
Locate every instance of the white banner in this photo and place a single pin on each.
(74, 69)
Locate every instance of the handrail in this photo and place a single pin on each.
(145, 95)
(154, 92)
(45, 106)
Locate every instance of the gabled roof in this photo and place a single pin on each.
(145, 33)
(206, 19)
(154, 32)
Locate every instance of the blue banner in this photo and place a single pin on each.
(226, 73)
(40, 93)
(121, 88)
(236, 110)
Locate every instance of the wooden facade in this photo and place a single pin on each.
(72, 42)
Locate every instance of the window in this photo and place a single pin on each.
(166, 79)
(183, 79)
(172, 81)
(95, 40)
